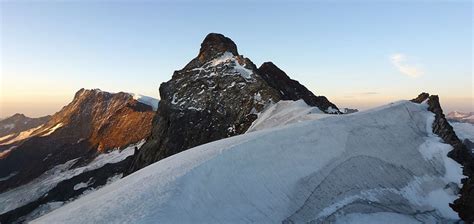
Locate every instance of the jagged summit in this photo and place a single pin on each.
(291, 89)
(213, 45)
(464, 205)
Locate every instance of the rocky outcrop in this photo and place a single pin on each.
(216, 95)
(94, 122)
(66, 190)
(464, 205)
(292, 90)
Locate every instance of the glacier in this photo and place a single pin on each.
(377, 166)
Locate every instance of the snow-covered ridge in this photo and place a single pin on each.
(286, 112)
(380, 164)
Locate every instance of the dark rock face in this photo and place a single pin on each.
(213, 45)
(92, 123)
(464, 205)
(65, 191)
(290, 89)
(216, 95)
(17, 123)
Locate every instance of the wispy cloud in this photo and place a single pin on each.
(400, 62)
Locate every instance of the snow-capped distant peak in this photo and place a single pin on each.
(146, 100)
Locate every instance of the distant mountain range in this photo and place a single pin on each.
(457, 116)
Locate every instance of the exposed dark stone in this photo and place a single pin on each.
(213, 45)
(64, 190)
(464, 205)
(217, 95)
(348, 110)
(420, 98)
(290, 89)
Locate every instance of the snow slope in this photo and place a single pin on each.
(286, 112)
(382, 165)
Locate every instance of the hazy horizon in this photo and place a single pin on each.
(357, 54)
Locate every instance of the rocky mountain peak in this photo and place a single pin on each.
(18, 115)
(213, 46)
(94, 122)
(217, 95)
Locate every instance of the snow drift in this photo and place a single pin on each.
(383, 164)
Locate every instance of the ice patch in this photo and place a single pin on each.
(83, 185)
(23, 135)
(52, 129)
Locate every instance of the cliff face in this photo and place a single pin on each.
(216, 95)
(464, 205)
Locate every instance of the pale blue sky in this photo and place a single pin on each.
(357, 53)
